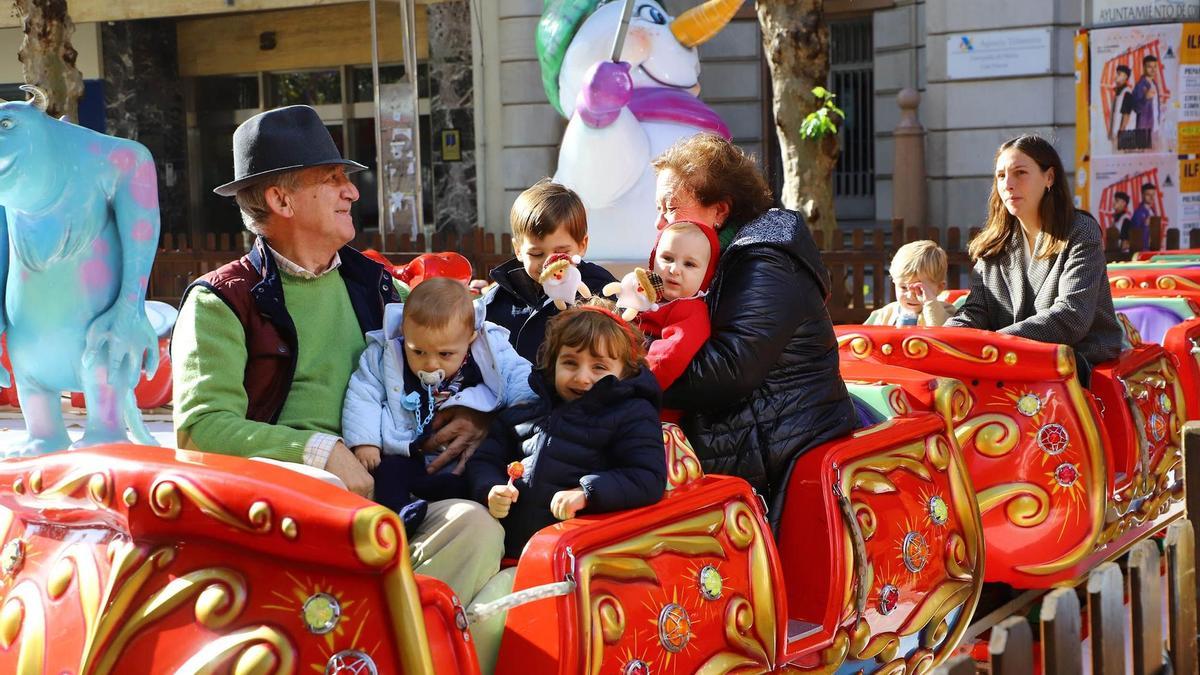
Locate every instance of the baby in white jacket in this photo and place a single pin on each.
(434, 351)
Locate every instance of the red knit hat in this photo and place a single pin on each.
(714, 244)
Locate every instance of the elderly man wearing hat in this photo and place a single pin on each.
(264, 347)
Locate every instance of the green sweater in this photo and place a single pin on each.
(208, 360)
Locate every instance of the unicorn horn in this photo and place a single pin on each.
(699, 24)
(38, 97)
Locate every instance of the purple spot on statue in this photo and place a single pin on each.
(144, 282)
(24, 274)
(100, 248)
(145, 186)
(132, 297)
(94, 148)
(95, 274)
(142, 230)
(122, 159)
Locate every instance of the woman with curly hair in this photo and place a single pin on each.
(765, 386)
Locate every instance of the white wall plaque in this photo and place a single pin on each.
(1000, 53)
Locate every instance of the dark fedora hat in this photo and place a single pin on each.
(279, 140)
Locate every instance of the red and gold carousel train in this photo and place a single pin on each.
(983, 459)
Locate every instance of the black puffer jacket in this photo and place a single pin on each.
(766, 385)
(519, 304)
(608, 442)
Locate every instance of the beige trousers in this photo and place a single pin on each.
(459, 543)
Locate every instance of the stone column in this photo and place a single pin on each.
(909, 194)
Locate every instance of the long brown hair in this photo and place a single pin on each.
(1056, 209)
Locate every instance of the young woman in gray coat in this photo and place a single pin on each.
(1039, 263)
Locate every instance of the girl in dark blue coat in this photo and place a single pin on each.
(590, 443)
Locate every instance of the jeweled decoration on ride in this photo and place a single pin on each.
(1066, 474)
(711, 583)
(351, 662)
(938, 510)
(636, 667)
(674, 627)
(12, 557)
(889, 597)
(1158, 427)
(914, 551)
(321, 613)
(1052, 438)
(1164, 403)
(1029, 405)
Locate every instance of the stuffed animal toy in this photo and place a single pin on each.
(637, 291)
(561, 280)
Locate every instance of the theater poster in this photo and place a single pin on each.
(1127, 191)
(1137, 96)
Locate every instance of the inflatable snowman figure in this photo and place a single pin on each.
(624, 114)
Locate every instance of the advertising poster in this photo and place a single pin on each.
(1127, 191)
(1135, 93)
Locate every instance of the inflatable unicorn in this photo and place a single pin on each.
(624, 114)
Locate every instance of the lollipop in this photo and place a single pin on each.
(515, 471)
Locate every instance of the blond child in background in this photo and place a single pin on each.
(919, 273)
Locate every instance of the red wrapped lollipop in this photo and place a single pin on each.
(515, 471)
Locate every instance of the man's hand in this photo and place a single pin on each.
(457, 432)
(343, 464)
(368, 455)
(566, 503)
(500, 500)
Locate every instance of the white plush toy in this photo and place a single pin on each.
(623, 115)
(636, 292)
(561, 280)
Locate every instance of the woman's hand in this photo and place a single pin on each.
(501, 499)
(369, 455)
(566, 503)
(458, 432)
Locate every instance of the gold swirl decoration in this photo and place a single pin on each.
(918, 348)
(166, 501)
(898, 401)
(958, 558)
(994, 435)
(867, 523)
(1121, 282)
(77, 561)
(261, 650)
(609, 616)
(952, 399)
(1095, 489)
(683, 466)
(96, 485)
(23, 615)
(1028, 505)
(378, 536)
(859, 345)
(740, 620)
(1170, 282)
(219, 592)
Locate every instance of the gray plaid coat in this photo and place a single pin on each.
(1063, 299)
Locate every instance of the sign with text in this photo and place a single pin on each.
(1116, 12)
(1001, 53)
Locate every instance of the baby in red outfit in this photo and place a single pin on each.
(685, 257)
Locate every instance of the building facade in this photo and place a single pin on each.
(180, 76)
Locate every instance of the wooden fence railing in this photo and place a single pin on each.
(859, 258)
(180, 260)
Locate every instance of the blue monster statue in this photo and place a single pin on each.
(81, 212)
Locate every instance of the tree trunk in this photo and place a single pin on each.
(47, 57)
(796, 43)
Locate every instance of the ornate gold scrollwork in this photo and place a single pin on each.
(24, 615)
(683, 466)
(261, 650)
(1121, 282)
(1171, 282)
(1028, 505)
(918, 348)
(866, 519)
(377, 535)
(609, 616)
(96, 484)
(860, 345)
(166, 501)
(77, 561)
(995, 435)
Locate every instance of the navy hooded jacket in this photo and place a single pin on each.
(608, 442)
